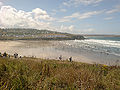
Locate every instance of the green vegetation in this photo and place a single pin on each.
(31, 73)
(34, 34)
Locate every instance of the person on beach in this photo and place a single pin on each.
(0, 54)
(20, 56)
(4, 54)
(9, 56)
(15, 55)
(60, 57)
(70, 59)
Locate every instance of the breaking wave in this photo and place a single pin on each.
(103, 46)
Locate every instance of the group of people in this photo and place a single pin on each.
(16, 56)
(7, 55)
(70, 58)
(3, 55)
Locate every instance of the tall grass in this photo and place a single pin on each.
(31, 73)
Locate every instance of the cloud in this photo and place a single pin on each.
(84, 2)
(63, 10)
(12, 18)
(1, 4)
(108, 18)
(67, 3)
(88, 30)
(84, 15)
(80, 16)
(37, 19)
(116, 9)
(63, 20)
(41, 14)
(67, 28)
(71, 27)
(54, 11)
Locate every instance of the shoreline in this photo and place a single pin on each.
(53, 49)
(81, 60)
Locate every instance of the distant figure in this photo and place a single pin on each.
(15, 55)
(20, 56)
(8, 56)
(60, 57)
(70, 59)
(0, 54)
(4, 54)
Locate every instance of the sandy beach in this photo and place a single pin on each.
(7, 45)
(53, 49)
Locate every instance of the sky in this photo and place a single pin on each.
(71, 16)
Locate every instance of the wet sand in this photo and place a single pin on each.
(53, 49)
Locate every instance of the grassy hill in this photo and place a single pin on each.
(28, 34)
(39, 74)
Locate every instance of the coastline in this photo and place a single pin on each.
(18, 46)
(53, 49)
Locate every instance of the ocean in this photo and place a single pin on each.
(98, 49)
(110, 45)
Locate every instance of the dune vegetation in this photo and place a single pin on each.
(33, 73)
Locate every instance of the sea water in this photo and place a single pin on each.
(98, 49)
(109, 45)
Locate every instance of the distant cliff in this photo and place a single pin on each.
(34, 34)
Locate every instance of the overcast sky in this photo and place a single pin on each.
(73, 16)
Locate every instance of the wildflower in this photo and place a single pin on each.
(105, 69)
(105, 65)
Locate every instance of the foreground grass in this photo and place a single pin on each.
(30, 73)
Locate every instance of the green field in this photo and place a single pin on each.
(33, 73)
